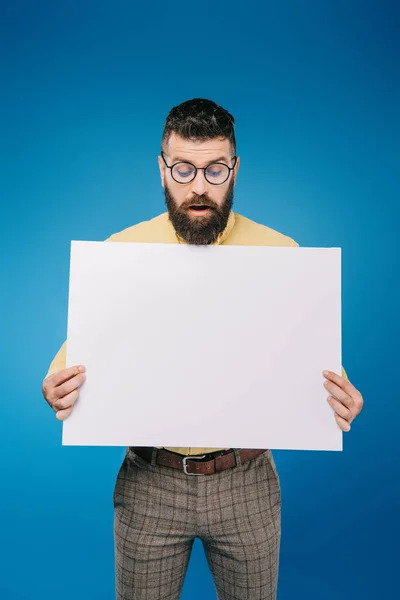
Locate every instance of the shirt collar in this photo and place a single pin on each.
(221, 236)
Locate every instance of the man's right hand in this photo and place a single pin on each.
(61, 390)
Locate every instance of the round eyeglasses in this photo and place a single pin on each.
(215, 173)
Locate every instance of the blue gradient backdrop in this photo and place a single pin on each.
(85, 88)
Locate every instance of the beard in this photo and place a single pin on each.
(199, 230)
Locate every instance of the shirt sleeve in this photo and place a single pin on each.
(59, 361)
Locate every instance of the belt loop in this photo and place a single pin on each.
(153, 456)
(237, 456)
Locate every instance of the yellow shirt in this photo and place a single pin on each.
(239, 231)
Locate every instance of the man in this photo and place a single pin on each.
(159, 508)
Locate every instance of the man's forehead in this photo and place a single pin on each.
(179, 148)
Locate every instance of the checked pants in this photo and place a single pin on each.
(159, 511)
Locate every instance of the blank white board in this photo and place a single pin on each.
(204, 346)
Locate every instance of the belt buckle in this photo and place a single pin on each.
(184, 462)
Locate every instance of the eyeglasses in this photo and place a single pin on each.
(215, 173)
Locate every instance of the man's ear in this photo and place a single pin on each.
(235, 170)
(162, 169)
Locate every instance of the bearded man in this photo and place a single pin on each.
(161, 501)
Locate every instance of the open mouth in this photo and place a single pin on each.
(200, 208)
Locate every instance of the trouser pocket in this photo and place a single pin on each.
(118, 494)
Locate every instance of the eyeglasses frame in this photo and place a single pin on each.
(199, 169)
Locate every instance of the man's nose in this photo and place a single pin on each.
(199, 183)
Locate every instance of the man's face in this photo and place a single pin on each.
(198, 210)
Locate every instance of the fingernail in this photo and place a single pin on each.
(325, 372)
(81, 368)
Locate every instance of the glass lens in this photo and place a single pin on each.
(216, 173)
(183, 172)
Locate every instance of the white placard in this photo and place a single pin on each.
(204, 346)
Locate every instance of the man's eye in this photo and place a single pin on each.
(185, 171)
(214, 171)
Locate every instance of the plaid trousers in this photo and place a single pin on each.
(159, 511)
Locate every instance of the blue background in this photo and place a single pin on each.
(85, 88)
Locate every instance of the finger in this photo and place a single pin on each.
(66, 401)
(341, 382)
(348, 401)
(60, 376)
(343, 424)
(340, 409)
(69, 386)
(52, 394)
(63, 414)
(337, 392)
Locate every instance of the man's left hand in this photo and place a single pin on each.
(346, 400)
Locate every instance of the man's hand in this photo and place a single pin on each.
(61, 390)
(346, 400)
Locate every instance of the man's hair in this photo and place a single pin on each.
(199, 119)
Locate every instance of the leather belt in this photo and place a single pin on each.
(214, 462)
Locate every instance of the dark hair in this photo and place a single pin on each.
(199, 119)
